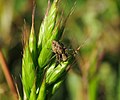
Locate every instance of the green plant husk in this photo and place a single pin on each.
(40, 75)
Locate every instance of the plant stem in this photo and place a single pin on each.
(8, 75)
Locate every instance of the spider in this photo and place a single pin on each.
(60, 51)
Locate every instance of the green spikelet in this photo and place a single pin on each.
(48, 33)
(42, 92)
(28, 71)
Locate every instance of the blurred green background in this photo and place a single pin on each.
(94, 25)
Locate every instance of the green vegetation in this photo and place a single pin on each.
(94, 72)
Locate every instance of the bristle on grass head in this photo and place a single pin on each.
(25, 35)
